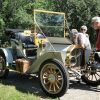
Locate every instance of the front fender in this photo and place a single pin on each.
(49, 55)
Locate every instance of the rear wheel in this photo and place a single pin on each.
(3, 70)
(91, 76)
(54, 78)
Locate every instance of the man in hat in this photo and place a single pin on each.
(96, 26)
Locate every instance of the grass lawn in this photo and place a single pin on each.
(21, 87)
(17, 87)
(10, 93)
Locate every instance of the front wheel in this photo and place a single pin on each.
(3, 70)
(53, 78)
(91, 76)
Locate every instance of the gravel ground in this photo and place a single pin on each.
(76, 91)
(80, 91)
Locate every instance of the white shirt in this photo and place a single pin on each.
(84, 39)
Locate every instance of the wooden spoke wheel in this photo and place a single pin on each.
(53, 78)
(3, 70)
(91, 76)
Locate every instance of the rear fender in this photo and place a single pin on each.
(7, 55)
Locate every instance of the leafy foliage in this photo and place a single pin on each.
(79, 12)
(18, 13)
(21, 19)
(2, 23)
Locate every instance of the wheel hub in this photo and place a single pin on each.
(52, 78)
(92, 71)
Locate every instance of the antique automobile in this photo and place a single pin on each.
(55, 27)
(46, 51)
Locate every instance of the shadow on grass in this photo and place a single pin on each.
(24, 83)
(27, 84)
(82, 86)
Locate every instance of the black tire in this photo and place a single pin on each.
(3, 70)
(54, 78)
(91, 76)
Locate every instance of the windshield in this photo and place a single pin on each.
(51, 23)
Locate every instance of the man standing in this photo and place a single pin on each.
(96, 25)
(74, 36)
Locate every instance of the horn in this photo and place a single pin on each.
(73, 61)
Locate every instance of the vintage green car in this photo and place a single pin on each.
(46, 50)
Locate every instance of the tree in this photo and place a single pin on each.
(22, 19)
(78, 12)
(15, 13)
(2, 23)
(11, 9)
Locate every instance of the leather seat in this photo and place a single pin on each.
(27, 41)
(28, 45)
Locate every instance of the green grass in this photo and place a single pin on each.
(10, 93)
